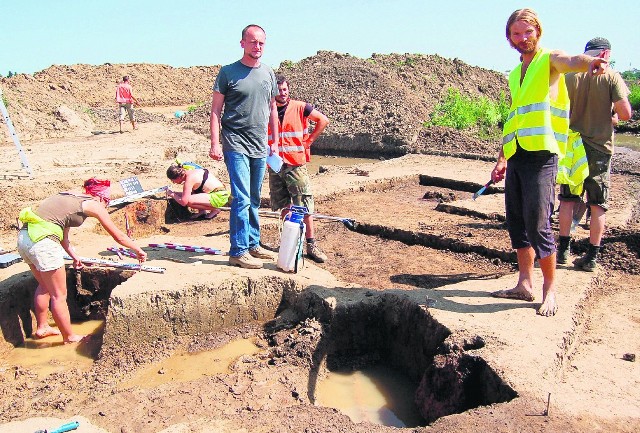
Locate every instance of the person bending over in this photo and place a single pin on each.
(201, 190)
(43, 240)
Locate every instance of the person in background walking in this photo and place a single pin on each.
(291, 185)
(247, 90)
(533, 135)
(597, 104)
(125, 100)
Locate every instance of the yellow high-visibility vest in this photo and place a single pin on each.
(536, 121)
(573, 168)
(39, 228)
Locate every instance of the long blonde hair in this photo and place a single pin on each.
(526, 15)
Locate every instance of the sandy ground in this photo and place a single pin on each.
(576, 356)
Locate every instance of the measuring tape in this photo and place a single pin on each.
(190, 248)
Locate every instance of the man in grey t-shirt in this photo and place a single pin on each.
(247, 90)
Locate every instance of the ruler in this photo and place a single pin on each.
(190, 248)
(128, 266)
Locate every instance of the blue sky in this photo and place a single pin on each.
(39, 33)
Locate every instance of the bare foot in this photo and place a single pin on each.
(214, 213)
(549, 307)
(75, 338)
(518, 293)
(45, 332)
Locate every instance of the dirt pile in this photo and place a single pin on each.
(377, 106)
(66, 101)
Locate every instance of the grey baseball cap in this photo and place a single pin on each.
(597, 44)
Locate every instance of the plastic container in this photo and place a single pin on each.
(275, 162)
(293, 230)
(7, 260)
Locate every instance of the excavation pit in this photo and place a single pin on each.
(405, 290)
(315, 329)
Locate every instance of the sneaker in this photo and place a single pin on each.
(245, 261)
(315, 253)
(260, 253)
(586, 263)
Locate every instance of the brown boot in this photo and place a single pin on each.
(315, 253)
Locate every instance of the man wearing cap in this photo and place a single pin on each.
(534, 133)
(597, 103)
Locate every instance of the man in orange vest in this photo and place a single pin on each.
(291, 185)
(125, 100)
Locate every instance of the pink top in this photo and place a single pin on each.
(123, 93)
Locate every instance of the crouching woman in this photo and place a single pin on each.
(201, 190)
(43, 240)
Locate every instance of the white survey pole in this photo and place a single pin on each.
(14, 136)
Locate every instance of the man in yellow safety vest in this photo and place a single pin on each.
(534, 134)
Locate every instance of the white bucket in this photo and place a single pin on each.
(291, 239)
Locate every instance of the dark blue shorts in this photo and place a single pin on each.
(529, 200)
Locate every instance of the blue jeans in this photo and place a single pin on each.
(246, 175)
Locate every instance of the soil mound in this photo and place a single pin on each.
(377, 106)
(69, 101)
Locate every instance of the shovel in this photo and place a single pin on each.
(64, 428)
(481, 190)
(578, 213)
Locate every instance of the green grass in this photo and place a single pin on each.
(634, 96)
(192, 108)
(409, 60)
(465, 112)
(287, 64)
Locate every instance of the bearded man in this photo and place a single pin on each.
(534, 134)
(291, 185)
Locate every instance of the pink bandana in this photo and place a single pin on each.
(98, 188)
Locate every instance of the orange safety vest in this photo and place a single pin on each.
(294, 132)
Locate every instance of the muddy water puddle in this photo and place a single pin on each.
(629, 141)
(377, 394)
(321, 160)
(49, 355)
(182, 367)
